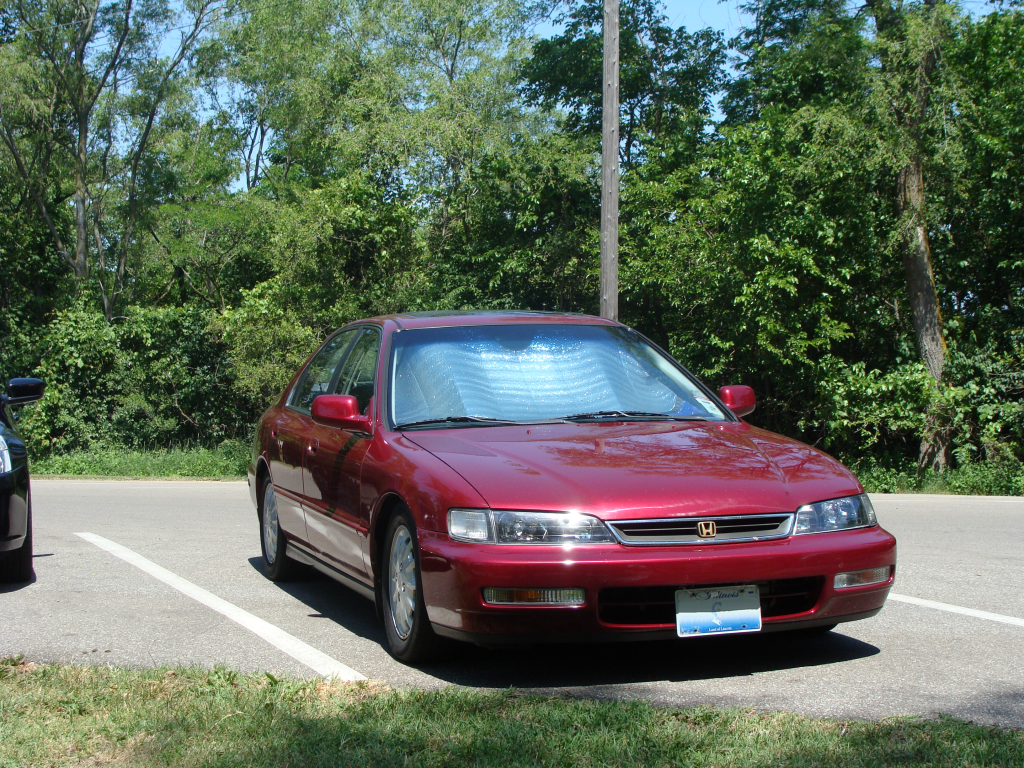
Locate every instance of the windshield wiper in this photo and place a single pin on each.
(639, 415)
(455, 420)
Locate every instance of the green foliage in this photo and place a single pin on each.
(158, 377)
(666, 82)
(79, 363)
(33, 281)
(761, 263)
(268, 343)
(524, 234)
(317, 162)
(228, 460)
(339, 253)
(982, 266)
(1003, 477)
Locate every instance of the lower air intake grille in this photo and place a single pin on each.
(656, 606)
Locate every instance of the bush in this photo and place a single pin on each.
(1004, 477)
(993, 478)
(228, 460)
(157, 377)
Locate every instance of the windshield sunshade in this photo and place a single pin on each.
(534, 373)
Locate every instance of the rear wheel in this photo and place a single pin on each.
(16, 566)
(410, 636)
(276, 564)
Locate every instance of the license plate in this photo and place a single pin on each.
(718, 611)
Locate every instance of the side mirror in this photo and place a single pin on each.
(341, 411)
(738, 398)
(21, 391)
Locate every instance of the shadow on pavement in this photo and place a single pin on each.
(587, 664)
(598, 664)
(1003, 708)
(330, 600)
(5, 588)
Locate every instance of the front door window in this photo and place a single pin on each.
(360, 369)
(318, 377)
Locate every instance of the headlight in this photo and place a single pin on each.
(512, 527)
(5, 456)
(835, 515)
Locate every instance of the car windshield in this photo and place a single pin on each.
(472, 375)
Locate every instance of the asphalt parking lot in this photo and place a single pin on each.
(960, 652)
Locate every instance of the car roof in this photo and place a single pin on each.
(438, 319)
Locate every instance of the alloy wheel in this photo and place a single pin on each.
(402, 582)
(270, 525)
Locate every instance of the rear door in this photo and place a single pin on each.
(333, 464)
(290, 433)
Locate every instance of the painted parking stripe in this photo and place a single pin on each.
(957, 609)
(316, 660)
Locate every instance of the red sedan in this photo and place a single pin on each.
(531, 477)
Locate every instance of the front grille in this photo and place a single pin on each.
(684, 530)
(656, 606)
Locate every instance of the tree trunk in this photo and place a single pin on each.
(915, 84)
(935, 446)
(81, 263)
(917, 264)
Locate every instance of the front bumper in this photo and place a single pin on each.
(13, 508)
(454, 575)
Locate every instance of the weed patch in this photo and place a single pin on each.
(995, 478)
(229, 460)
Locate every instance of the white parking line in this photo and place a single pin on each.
(957, 609)
(316, 660)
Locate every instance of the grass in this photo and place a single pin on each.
(227, 461)
(77, 716)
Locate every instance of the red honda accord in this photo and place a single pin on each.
(529, 477)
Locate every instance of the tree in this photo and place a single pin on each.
(910, 41)
(795, 53)
(86, 84)
(667, 82)
(279, 72)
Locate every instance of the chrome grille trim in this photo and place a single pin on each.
(683, 530)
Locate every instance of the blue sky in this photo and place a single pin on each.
(692, 14)
(697, 14)
(726, 16)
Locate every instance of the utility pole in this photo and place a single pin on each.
(610, 164)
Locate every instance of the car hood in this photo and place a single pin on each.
(639, 469)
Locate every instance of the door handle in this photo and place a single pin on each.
(311, 447)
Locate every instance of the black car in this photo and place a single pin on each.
(15, 500)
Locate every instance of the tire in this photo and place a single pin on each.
(410, 636)
(273, 545)
(16, 566)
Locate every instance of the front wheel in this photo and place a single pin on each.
(276, 564)
(410, 636)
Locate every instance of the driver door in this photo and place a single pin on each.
(333, 465)
(290, 431)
